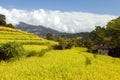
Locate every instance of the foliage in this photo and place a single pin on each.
(39, 53)
(10, 26)
(4, 23)
(88, 61)
(62, 43)
(98, 35)
(49, 36)
(2, 20)
(113, 28)
(65, 43)
(11, 50)
(109, 36)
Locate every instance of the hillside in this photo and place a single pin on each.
(10, 35)
(39, 30)
(70, 64)
(30, 41)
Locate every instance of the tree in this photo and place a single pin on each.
(10, 25)
(62, 43)
(98, 35)
(113, 29)
(2, 20)
(49, 36)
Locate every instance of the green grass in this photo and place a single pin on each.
(73, 64)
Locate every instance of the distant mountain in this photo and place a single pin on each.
(39, 30)
(42, 31)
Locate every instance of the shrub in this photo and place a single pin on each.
(11, 50)
(88, 61)
(40, 53)
(32, 53)
(70, 45)
(64, 44)
(10, 26)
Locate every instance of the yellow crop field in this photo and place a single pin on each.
(62, 65)
(70, 64)
(10, 35)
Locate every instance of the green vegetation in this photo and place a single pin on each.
(11, 50)
(49, 36)
(109, 36)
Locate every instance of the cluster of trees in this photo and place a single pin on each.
(3, 22)
(109, 36)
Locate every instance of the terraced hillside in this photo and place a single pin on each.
(71, 64)
(10, 35)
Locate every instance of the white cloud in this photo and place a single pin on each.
(62, 21)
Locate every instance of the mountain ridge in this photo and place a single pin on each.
(42, 31)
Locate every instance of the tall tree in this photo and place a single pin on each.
(49, 36)
(2, 20)
(98, 35)
(113, 29)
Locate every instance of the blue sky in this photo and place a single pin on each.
(111, 7)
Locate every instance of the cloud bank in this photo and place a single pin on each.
(71, 22)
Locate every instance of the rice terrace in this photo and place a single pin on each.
(58, 45)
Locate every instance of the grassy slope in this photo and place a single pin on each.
(74, 64)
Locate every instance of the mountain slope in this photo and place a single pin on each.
(42, 31)
(39, 30)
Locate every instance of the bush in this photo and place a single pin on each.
(41, 53)
(10, 26)
(88, 61)
(64, 44)
(11, 50)
(70, 45)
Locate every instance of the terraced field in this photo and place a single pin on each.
(30, 41)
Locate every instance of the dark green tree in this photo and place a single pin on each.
(62, 43)
(99, 35)
(10, 26)
(113, 29)
(2, 20)
(49, 36)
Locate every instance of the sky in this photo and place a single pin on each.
(63, 15)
